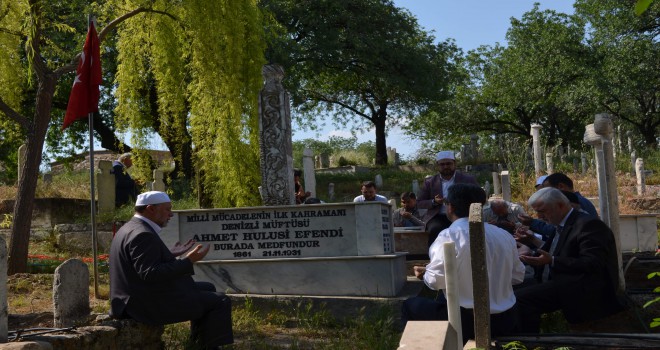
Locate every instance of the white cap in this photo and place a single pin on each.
(540, 179)
(445, 155)
(152, 197)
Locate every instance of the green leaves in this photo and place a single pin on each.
(641, 6)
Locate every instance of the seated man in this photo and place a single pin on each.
(149, 284)
(503, 214)
(579, 266)
(504, 268)
(564, 183)
(369, 194)
(407, 215)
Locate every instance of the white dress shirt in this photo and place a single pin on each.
(504, 266)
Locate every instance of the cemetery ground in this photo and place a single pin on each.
(302, 325)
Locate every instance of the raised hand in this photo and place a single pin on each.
(179, 248)
(198, 253)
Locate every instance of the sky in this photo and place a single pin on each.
(471, 24)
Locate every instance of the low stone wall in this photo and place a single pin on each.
(107, 334)
(78, 237)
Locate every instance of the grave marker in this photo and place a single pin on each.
(105, 187)
(308, 171)
(71, 294)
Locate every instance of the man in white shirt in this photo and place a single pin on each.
(503, 263)
(369, 194)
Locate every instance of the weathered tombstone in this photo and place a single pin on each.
(308, 169)
(506, 186)
(593, 139)
(452, 281)
(332, 161)
(633, 162)
(331, 191)
(48, 178)
(481, 287)
(536, 146)
(379, 181)
(21, 158)
(603, 127)
(618, 139)
(583, 159)
(71, 294)
(317, 161)
(550, 166)
(641, 181)
(325, 160)
(4, 312)
(562, 155)
(158, 184)
(630, 143)
(415, 187)
(392, 202)
(105, 187)
(275, 139)
(474, 146)
(497, 184)
(487, 188)
(575, 165)
(391, 156)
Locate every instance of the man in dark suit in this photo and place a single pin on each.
(435, 190)
(125, 189)
(149, 284)
(578, 264)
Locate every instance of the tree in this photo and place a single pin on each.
(221, 43)
(363, 62)
(627, 74)
(537, 78)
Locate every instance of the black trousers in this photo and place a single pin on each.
(435, 225)
(425, 309)
(214, 328)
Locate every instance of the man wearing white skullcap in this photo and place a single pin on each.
(150, 284)
(434, 191)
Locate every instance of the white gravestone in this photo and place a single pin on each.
(536, 146)
(641, 181)
(308, 170)
(158, 184)
(506, 186)
(293, 249)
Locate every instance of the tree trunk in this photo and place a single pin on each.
(381, 146)
(27, 183)
(108, 138)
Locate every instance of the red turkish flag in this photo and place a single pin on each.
(84, 98)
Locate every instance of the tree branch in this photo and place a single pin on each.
(126, 16)
(13, 115)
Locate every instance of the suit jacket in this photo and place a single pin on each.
(145, 274)
(433, 186)
(585, 260)
(125, 189)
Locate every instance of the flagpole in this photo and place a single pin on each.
(92, 194)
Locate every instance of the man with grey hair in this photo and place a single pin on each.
(503, 214)
(125, 189)
(578, 265)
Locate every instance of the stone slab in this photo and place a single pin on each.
(378, 276)
(428, 335)
(639, 233)
(413, 240)
(320, 230)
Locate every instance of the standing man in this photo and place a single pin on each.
(125, 189)
(435, 190)
(369, 194)
(578, 265)
(407, 215)
(502, 261)
(150, 285)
